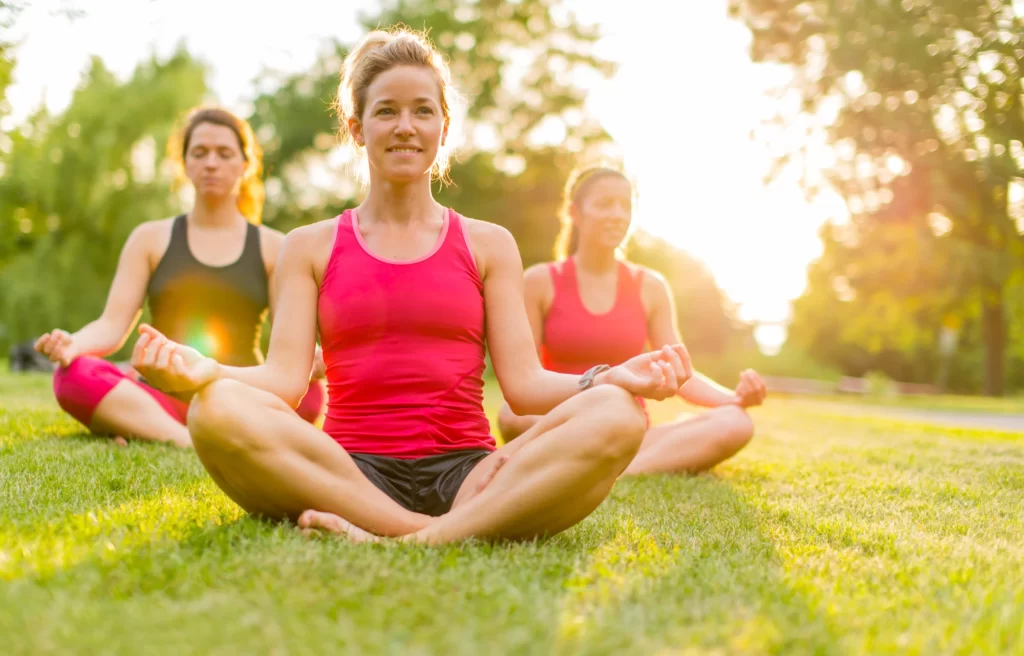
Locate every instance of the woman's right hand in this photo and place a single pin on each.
(170, 366)
(59, 346)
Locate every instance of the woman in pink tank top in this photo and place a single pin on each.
(591, 306)
(405, 295)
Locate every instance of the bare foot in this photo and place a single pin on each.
(312, 521)
(120, 441)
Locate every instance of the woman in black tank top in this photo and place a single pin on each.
(207, 277)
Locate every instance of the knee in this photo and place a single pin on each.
(80, 386)
(215, 415)
(70, 380)
(620, 420)
(739, 427)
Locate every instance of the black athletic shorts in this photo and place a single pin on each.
(424, 485)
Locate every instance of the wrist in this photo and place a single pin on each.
(591, 377)
(603, 378)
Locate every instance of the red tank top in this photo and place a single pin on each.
(404, 347)
(575, 339)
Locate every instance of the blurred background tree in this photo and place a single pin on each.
(919, 106)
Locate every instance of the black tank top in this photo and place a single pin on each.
(217, 310)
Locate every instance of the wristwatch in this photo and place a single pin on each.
(587, 379)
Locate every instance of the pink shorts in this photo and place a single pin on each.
(81, 386)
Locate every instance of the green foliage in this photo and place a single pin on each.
(519, 64)
(921, 103)
(76, 184)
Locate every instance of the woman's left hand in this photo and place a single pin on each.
(654, 375)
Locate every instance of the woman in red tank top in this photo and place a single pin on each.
(405, 294)
(592, 306)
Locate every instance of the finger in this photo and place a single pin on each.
(657, 374)
(671, 380)
(760, 384)
(63, 336)
(671, 357)
(152, 351)
(163, 355)
(139, 352)
(146, 329)
(64, 358)
(43, 339)
(684, 356)
(178, 367)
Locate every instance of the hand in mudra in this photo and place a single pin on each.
(751, 390)
(59, 346)
(170, 366)
(654, 375)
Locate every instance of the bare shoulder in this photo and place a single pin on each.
(271, 241)
(538, 284)
(488, 234)
(652, 281)
(271, 236)
(150, 239)
(538, 276)
(493, 247)
(309, 235)
(654, 288)
(310, 244)
(153, 230)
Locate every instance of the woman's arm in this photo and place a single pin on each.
(177, 368)
(662, 329)
(272, 242)
(127, 292)
(529, 389)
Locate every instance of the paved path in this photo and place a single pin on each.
(952, 418)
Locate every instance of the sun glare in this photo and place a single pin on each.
(687, 141)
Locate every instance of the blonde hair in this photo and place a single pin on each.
(579, 181)
(250, 192)
(378, 52)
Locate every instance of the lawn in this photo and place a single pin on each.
(827, 535)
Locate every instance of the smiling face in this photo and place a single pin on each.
(603, 211)
(213, 160)
(402, 126)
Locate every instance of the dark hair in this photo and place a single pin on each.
(579, 181)
(250, 194)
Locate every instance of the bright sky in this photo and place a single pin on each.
(683, 125)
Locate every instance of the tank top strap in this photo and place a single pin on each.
(179, 236)
(252, 252)
(630, 281)
(563, 277)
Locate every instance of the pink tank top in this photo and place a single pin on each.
(575, 339)
(404, 347)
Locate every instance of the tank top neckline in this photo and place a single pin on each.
(214, 267)
(621, 270)
(446, 222)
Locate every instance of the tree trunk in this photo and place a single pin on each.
(993, 335)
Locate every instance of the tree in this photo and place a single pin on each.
(76, 184)
(923, 93)
(519, 64)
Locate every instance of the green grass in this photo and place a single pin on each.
(827, 535)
